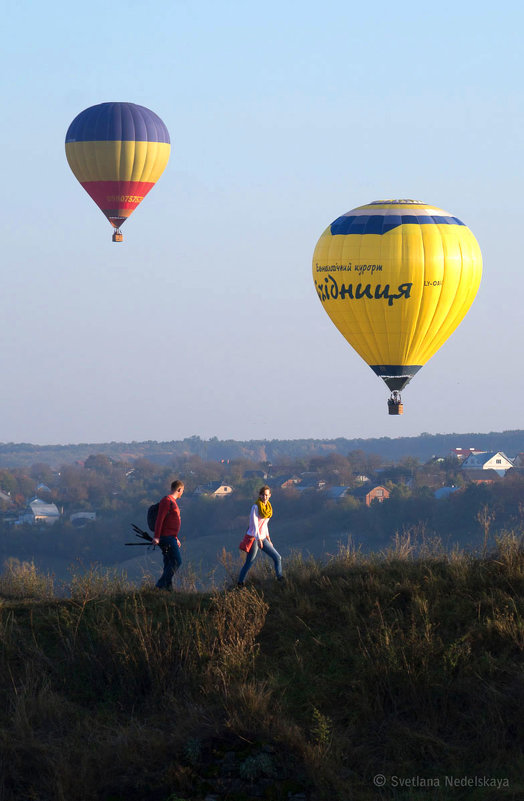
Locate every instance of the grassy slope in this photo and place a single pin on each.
(405, 667)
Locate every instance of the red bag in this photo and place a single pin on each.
(246, 543)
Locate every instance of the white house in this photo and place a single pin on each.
(215, 490)
(39, 511)
(489, 460)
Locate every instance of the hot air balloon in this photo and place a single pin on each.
(117, 151)
(397, 277)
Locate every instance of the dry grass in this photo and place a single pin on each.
(22, 580)
(395, 664)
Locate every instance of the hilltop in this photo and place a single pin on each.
(389, 449)
(378, 677)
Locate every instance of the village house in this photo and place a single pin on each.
(39, 511)
(462, 453)
(286, 482)
(474, 476)
(488, 460)
(337, 493)
(360, 478)
(311, 484)
(5, 498)
(214, 490)
(256, 474)
(370, 494)
(518, 461)
(80, 519)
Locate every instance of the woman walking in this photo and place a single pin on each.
(257, 536)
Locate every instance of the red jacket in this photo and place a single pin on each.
(168, 518)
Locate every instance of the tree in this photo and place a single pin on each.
(100, 464)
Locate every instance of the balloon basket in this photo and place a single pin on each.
(395, 405)
(395, 408)
(118, 237)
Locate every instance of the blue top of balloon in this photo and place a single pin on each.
(117, 122)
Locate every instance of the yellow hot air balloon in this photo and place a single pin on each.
(397, 277)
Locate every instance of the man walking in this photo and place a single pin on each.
(167, 527)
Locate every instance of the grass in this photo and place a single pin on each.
(405, 665)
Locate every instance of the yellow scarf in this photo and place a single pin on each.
(264, 509)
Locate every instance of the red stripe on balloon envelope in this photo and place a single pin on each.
(117, 195)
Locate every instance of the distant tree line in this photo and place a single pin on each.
(422, 447)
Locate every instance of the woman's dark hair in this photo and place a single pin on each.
(263, 489)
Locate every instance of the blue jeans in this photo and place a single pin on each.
(172, 561)
(252, 555)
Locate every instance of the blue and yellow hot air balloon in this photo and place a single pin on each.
(397, 277)
(117, 151)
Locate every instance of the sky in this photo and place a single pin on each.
(283, 116)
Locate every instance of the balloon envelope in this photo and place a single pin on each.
(117, 151)
(397, 277)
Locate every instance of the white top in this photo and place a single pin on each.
(258, 526)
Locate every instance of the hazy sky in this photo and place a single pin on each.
(283, 116)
